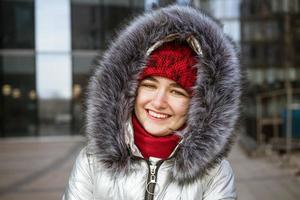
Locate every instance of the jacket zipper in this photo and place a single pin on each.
(152, 179)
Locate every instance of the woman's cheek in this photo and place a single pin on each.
(182, 107)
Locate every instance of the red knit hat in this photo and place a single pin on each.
(174, 61)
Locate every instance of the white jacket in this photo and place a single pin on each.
(89, 181)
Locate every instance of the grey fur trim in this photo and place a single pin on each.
(214, 106)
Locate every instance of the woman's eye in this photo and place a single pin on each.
(147, 85)
(179, 93)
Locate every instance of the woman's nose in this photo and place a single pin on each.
(159, 100)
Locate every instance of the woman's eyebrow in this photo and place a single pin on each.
(176, 85)
(150, 79)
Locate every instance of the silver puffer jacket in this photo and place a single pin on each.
(89, 180)
(111, 166)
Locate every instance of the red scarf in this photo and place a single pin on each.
(159, 147)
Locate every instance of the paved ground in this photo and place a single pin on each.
(263, 178)
(36, 169)
(39, 169)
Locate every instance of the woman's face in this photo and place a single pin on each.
(161, 105)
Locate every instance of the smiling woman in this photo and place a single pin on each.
(158, 126)
(163, 96)
(161, 107)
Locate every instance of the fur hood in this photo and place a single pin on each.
(214, 107)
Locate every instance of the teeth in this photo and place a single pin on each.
(156, 115)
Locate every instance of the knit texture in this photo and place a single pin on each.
(174, 61)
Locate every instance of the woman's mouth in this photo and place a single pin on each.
(157, 115)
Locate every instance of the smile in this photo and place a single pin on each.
(157, 115)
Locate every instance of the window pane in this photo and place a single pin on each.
(81, 72)
(232, 28)
(17, 24)
(54, 92)
(52, 26)
(94, 22)
(86, 26)
(225, 9)
(18, 95)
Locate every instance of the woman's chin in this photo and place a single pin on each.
(158, 132)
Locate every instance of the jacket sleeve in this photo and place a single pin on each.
(80, 185)
(220, 183)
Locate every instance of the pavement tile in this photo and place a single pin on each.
(33, 195)
(36, 169)
(243, 191)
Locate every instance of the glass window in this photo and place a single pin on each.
(225, 9)
(296, 27)
(246, 50)
(17, 24)
(86, 25)
(164, 3)
(53, 76)
(272, 55)
(94, 22)
(253, 31)
(82, 66)
(54, 92)
(271, 30)
(297, 53)
(54, 116)
(295, 24)
(255, 76)
(52, 35)
(53, 64)
(232, 28)
(18, 94)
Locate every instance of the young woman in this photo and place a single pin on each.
(161, 109)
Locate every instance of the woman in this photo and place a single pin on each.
(161, 109)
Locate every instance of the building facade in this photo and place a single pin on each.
(46, 54)
(270, 39)
(47, 50)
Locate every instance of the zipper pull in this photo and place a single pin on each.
(152, 174)
(151, 182)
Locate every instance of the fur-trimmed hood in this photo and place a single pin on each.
(214, 106)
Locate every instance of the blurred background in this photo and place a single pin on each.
(47, 47)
